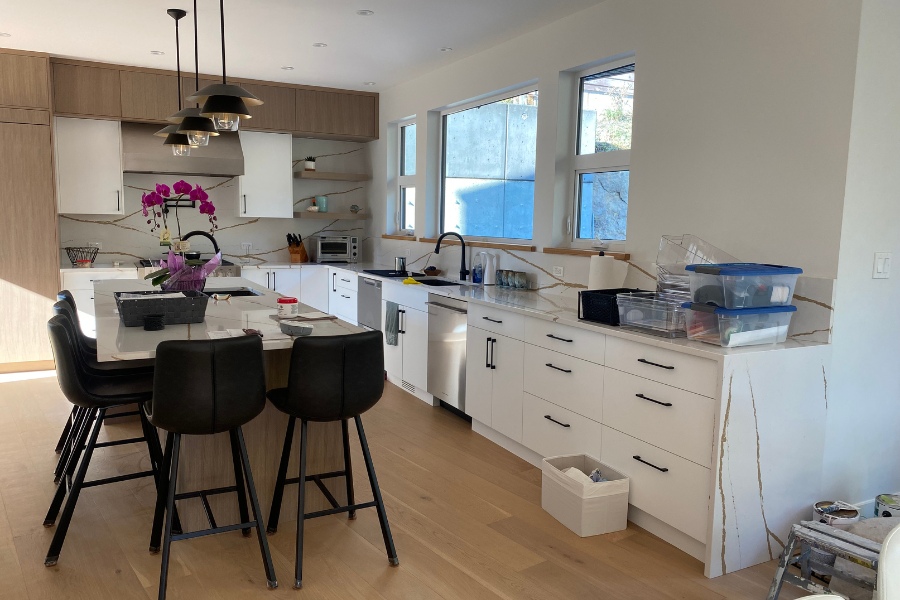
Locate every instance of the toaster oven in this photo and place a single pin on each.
(337, 248)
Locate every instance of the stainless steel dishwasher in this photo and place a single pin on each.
(447, 350)
(368, 303)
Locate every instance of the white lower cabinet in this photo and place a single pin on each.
(551, 430)
(285, 281)
(342, 295)
(408, 360)
(479, 378)
(314, 283)
(260, 277)
(81, 284)
(494, 386)
(570, 382)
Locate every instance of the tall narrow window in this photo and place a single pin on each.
(603, 157)
(406, 196)
(488, 168)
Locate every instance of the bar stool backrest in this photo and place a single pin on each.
(62, 307)
(69, 372)
(336, 377)
(204, 387)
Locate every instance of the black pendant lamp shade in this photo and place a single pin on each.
(189, 121)
(225, 103)
(179, 142)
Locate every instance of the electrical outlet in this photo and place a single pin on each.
(882, 268)
(406, 251)
(559, 271)
(246, 247)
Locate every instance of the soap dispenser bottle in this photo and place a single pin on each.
(478, 269)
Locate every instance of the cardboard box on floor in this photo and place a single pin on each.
(586, 509)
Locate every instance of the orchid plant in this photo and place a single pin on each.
(153, 204)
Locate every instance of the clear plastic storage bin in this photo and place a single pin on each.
(677, 252)
(660, 313)
(743, 285)
(731, 328)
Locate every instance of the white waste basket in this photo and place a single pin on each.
(585, 508)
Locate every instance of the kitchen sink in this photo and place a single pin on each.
(242, 291)
(438, 282)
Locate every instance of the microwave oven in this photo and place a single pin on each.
(337, 248)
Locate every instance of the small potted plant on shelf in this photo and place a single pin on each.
(309, 163)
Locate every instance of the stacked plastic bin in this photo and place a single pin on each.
(740, 304)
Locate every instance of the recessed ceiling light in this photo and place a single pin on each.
(446, 49)
(319, 45)
(157, 52)
(368, 83)
(4, 34)
(365, 13)
(287, 68)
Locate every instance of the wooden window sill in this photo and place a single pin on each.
(586, 252)
(479, 244)
(393, 236)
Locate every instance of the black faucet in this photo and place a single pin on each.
(463, 271)
(204, 234)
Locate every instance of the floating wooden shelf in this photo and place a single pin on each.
(331, 215)
(405, 238)
(479, 244)
(586, 252)
(326, 176)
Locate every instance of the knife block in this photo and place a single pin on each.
(298, 254)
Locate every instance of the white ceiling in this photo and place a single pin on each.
(401, 40)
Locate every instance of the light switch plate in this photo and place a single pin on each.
(882, 267)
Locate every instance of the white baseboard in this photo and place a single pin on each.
(414, 391)
(508, 444)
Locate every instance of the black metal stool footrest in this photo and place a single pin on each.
(338, 509)
(212, 531)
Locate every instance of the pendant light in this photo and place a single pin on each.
(179, 142)
(198, 128)
(225, 103)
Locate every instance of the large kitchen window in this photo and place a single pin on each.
(406, 193)
(488, 168)
(603, 153)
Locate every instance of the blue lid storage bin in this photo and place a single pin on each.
(743, 285)
(731, 328)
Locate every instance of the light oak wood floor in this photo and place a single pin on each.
(465, 514)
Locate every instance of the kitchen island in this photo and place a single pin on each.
(206, 460)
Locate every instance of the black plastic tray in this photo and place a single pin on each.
(176, 311)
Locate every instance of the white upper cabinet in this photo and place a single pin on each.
(267, 186)
(88, 156)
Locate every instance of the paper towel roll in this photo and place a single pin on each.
(606, 273)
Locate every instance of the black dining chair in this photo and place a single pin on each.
(331, 379)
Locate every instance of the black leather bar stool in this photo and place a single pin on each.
(331, 379)
(95, 395)
(204, 388)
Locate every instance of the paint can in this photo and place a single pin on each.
(887, 505)
(835, 513)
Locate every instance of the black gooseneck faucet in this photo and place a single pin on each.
(463, 271)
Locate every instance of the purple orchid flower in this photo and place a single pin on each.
(163, 190)
(198, 194)
(181, 187)
(207, 208)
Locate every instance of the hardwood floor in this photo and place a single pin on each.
(465, 515)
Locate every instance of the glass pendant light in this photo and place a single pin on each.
(179, 142)
(197, 128)
(226, 104)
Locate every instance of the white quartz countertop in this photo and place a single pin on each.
(101, 268)
(117, 342)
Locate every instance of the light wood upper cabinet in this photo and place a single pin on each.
(148, 96)
(24, 81)
(88, 166)
(278, 111)
(337, 114)
(83, 90)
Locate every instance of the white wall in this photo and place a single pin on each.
(863, 427)
(742, 120)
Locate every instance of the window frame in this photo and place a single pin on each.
(404, 182)
(457, 108)
(596, 162)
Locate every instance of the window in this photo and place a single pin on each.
(603, 152)
(488, 168)
(407, 188)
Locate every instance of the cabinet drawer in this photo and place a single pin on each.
(85, 280)
(679, 496)
(503, 322)
(342, 304)
(681, 370)
(569, 382)
(672, 419)
(345, 279)
(580, 343)
(566, 433)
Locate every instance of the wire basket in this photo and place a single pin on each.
(82, 256)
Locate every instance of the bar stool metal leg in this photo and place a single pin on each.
(278, 494)
(69, 444)
(65, 432)
(348, 469)
(60, 535)
(239, 481)
(376, 491)
(301, 507)
(71, 463)
(271, 580)
(163, 493)
(170, 509)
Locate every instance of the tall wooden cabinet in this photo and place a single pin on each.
(86, 90)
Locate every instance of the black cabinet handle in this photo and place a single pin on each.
(553, 337)
(491, 320)
(493, 341)
(118, 201)
(334, 282)
(653, 364)
(268, 280)
(343, 296)
(643, 397)
(549, 418)
(274, 285)
(400, 319)
(640, 460)
(245, 203)
(487, 349)
(552, 366)
(345, 280)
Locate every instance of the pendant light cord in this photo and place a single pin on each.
(178, 61)
(196, 55)
(222, 18)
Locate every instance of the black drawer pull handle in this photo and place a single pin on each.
(553, 337)
(552, 366)
(549, 418)
(343, 296)
(647, 362)
(643, 397)
(491, 320)
(639, 459)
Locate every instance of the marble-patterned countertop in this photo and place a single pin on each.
(101, 268)
(117, 342)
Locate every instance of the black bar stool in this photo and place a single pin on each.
(331, 379)
(204, 388)
(94, 395)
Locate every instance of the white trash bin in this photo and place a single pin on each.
(585, 508)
